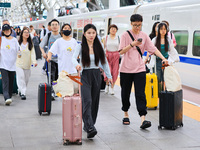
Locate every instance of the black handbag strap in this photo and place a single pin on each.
(138, 49)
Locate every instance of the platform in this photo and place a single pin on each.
(22, 128)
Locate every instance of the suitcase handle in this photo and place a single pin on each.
(163, 69)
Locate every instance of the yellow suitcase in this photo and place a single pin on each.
(151, 90)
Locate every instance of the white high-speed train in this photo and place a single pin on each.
(183, 16)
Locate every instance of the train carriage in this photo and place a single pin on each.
(183, 19)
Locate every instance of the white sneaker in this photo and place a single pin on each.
(112, 91)
(107, 89)
(8, 101)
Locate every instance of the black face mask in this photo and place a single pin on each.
(7, 35)
(66, 32)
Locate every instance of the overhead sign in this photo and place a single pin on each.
(5, 5)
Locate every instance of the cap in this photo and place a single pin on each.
(6, 27)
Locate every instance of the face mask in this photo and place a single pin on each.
(7, 35)
(66, 32)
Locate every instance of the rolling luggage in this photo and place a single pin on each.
(72, 119)
(15, 87)
(44, 96)
(151, 90)
(170, 109)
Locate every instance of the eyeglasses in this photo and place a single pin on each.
(54, 24)
(26, 32)
(137, 26)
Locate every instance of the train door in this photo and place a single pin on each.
(109, 23)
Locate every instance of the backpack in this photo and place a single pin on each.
(49, 34)
(45, 32)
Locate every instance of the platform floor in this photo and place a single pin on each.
(21, 127)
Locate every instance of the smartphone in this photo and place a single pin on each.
(139, 40)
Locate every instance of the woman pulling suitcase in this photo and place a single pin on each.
(165, 45)
(92, 57)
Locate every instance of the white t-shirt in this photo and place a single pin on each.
(9, 49)
(64, 49)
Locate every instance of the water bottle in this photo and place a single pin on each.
(19, 53)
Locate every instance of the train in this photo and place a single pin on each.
(181, 15)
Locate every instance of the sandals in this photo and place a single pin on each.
(145, 124)
(126, 121)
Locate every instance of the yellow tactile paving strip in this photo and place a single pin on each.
(189, 110)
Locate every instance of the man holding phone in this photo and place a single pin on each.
(132, 68)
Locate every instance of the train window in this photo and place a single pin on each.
(156, 17)
(196, 44)
(80, 33)
(182, 41)
(75, 34)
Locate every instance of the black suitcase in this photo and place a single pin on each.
(170, 109)
(44, 98)
(44, 94)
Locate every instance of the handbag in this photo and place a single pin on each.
(172, 79)
(138, 49)
(65, 86)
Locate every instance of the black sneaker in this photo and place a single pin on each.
(91, 133)
(23, 97)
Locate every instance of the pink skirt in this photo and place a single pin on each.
(113, 61)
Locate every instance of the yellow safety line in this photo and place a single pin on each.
(189, 110)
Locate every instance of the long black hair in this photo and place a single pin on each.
(158, 39)
(97, 48)
(29, 40)
(153, 32)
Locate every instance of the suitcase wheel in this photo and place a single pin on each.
(66, 142)
(49, 112)
(159, 127)
(155, 108)
(40, 113)
(174, 128)
(181, 124)
(78, 142)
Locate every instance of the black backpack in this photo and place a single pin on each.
(45, 32)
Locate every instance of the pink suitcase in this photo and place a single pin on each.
(72, 120)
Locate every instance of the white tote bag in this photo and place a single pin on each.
(172, 79)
